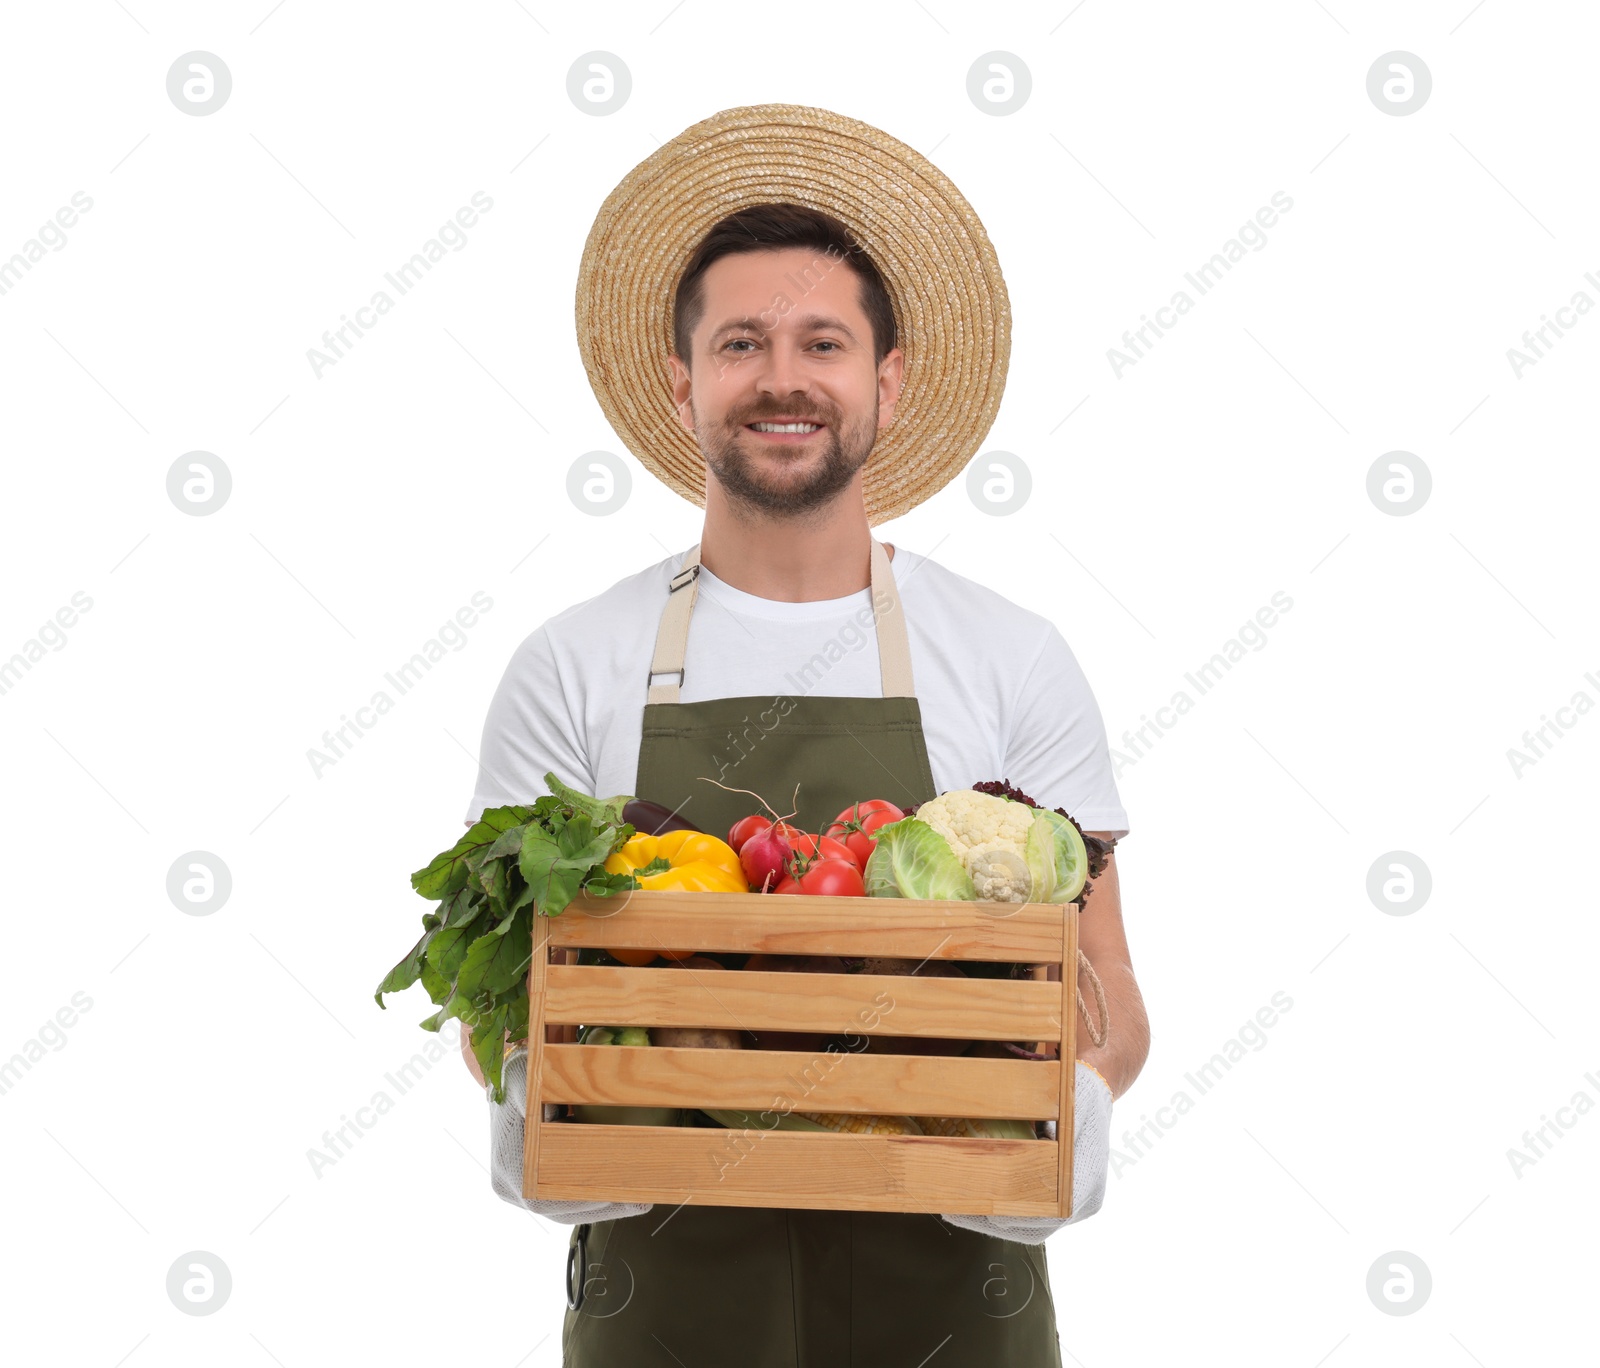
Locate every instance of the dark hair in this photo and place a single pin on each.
(772, 227)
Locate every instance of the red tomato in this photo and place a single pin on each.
(815, 847)
(827, 878)
(855, 825)
(746, 827)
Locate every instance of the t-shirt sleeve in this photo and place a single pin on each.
(530, 729)
(1057, 751)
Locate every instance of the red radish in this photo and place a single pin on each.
(763, 857)
(746, 827)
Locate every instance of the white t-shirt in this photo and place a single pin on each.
(1001, 694)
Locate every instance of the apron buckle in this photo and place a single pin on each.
(683, 577)
(577, 1253)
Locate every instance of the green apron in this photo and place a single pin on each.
(741, 1287)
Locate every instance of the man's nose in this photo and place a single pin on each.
(783, 373)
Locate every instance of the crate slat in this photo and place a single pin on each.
(896, 1085)
(806, 925)
(969, 1009)
(789, 1169)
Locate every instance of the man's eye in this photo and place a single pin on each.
(746, 342)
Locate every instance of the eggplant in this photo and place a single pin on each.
(628, 1116)
(652, 819)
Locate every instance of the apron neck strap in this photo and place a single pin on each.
(672, 637)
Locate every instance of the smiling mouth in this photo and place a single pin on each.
(785, 432)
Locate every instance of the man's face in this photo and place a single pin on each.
(783, 340)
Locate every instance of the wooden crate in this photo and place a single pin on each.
(773, 1168)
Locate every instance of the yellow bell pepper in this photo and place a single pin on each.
(701, 863)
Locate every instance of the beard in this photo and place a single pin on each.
(808, 480)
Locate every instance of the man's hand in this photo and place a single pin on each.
(472, 1059)
(1101, 937)
(507, 1137)
(1091, 1159)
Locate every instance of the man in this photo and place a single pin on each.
(787, 374)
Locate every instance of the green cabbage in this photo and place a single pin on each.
(1057, 858)
(912, 860)
(1042, 864)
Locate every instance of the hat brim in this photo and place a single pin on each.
(952, 314)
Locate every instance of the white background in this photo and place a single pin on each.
(369, 504)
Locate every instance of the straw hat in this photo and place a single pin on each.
(951, 311)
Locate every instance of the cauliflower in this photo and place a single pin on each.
(989, 836)
(999, 873)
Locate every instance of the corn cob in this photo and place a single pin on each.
(972, 1128)
(860, 1123)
